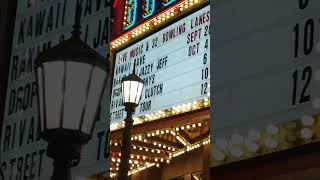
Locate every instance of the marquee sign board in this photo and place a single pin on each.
(40, 25)
(173, 62)
(267, 66)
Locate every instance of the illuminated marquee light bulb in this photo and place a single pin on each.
(306, 133)
(199, 124)
(272, 129)
(254, 135)
(251, 146)
(146, 149)
(177, 129)
(307, 120)
(271, 143)
(236, 152)
(182, 127)
(188, 126)
(167, 131)
(154, 143)
(173, 133)
(194, 125)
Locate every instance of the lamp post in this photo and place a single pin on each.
(71, 78)
(132, 86)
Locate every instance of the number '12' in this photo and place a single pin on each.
(306, 76)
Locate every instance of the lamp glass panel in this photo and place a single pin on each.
(139, 93)
(40, 97)
(77, 79)
(53, 93)
(133, 91)
(96, 88)
(126, 91)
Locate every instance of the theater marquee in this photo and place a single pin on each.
(173, 62)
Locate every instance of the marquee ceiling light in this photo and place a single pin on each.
(145, 160)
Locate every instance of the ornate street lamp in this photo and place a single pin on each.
(71, 79)
(132, 86)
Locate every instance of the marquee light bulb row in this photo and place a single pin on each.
(153, 22)
(152, 150)
(269, 139)
(148, 165)
(191, 147)
(134, 162)
(175, 110)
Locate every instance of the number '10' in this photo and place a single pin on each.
(308, 38)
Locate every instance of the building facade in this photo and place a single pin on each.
(265, 124)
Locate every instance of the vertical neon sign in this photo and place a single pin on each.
(149, 8)
(168, 2)
(130, 15)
